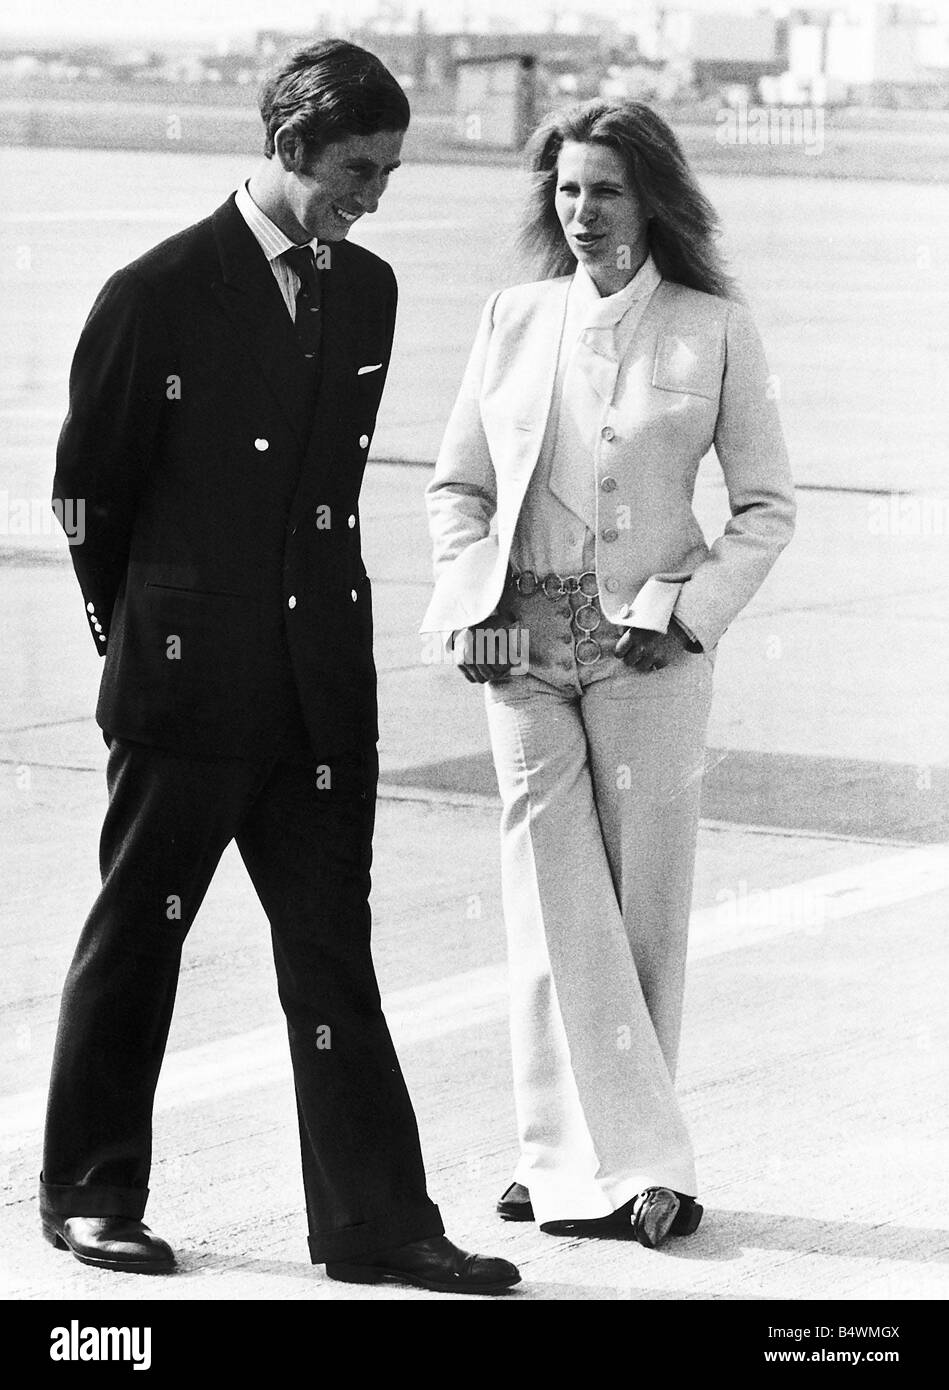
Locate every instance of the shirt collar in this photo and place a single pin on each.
(604, 311)
(273, 242)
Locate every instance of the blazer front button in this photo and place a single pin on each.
(609, 485)
(351, 522)
(612, 585)
(353, 593)
(608, 433)
(90, 608)
(363, 441)
(609, 534)
(292, 601)
(261, 444)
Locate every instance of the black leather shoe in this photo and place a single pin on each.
(109, 1242)
(515, 1204)
(434, 1264)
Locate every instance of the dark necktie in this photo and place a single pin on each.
(308, 321)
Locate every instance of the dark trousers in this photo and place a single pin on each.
(308, 852)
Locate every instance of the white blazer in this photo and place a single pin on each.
(693, 376)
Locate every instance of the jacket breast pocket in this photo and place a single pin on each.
(369, 386)
(690, 363)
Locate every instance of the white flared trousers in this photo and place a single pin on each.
(600, 788)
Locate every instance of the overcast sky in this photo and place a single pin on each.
(97, 20)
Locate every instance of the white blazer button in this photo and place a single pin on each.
(90, 608)
(353, 592)
(608, 433)
(292, 601)
(101, 636)
(261, 444)
(363, 441)
(352, 522)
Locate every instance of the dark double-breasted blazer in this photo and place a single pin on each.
(217, 485)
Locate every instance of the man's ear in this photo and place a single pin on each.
(289, 149)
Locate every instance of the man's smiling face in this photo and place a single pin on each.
(324, 195)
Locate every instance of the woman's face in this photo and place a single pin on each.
(601, 214)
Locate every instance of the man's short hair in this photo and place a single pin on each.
(328, 91)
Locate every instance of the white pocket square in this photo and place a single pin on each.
(374, 368)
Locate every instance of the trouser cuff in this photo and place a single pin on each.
(76, 1199)
(387, 1232)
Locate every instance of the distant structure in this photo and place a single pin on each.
(852, 53)
(495, 101)
(727, 52)
(882, 55)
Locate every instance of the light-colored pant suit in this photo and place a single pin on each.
(599, 766)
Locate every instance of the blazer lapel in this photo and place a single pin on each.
(530, 379)
(250, 296)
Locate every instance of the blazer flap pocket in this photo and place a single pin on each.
(689, 362)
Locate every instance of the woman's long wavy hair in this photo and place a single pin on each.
(683, 225)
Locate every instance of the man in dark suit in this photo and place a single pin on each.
(222, 400)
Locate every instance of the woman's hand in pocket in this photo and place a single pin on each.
(484, 652)
(646, 650)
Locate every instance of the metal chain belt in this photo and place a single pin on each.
(586, 617)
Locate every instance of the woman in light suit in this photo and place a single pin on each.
(592, 614)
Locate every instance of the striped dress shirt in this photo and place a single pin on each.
(273, 243)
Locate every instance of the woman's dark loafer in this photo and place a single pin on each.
(651, 1217)
(515, 1204)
